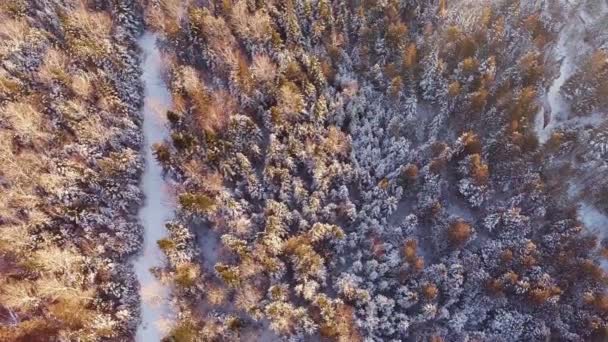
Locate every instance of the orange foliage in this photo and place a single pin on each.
(506, 256)
(419, 264)
(479, 170)
(410, 56)
(459, 232)
(337, 142)
(409, 250)
(430, 291)
(470, 64)
(454, 89)
(472, 145)
(410, 172)
(395, 87)
(213, 110)
(479, 99)
(443, 8)
(396, 33)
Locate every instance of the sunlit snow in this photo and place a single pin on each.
(156, 311)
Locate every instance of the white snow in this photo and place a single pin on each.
(566, 51)
(596, 223)
(570, 46)
(593, 219)
(156, 310)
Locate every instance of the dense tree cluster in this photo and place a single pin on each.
(69, 169)
(348, 170)
(364, 170)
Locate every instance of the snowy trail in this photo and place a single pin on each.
(566, 50)
(156, 311)
(570, 45)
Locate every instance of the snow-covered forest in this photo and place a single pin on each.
(70, 98)
(348, 170)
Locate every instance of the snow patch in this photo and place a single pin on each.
(596, 223)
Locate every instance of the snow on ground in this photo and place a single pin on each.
(156, 311)
(594, 120)
(593, 219)
(596, 223)
(571, 44)
(565, 50)
(209, 244)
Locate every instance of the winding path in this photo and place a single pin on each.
(156, 310)
(570, 45)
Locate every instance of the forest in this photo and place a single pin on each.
(339, 170)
